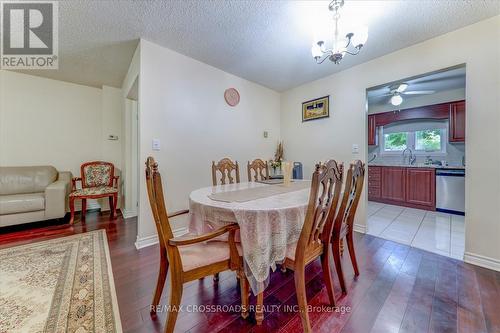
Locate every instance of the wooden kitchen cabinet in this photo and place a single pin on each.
(421, 186)
(374, 180)
(403, 186)
(457, 121)
(372, 131)
(393, 184)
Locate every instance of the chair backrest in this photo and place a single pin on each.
(97, 173)
(352, 193)
(326, 186)
(260, 170)
(157, 202)
(225, 167)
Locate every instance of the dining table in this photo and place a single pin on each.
(270, 218)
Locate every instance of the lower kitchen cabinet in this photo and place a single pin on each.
(421, 186)
(404, 186)
(393, 184)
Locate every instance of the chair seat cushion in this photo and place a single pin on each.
(202, 254)
(101, 190)
(21, 203)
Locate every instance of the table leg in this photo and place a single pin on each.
(259, 308)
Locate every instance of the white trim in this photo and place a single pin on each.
(359, 228)
(483, 261)
(152, 240)
(129, 213)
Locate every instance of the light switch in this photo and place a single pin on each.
(156, 144)
(266, 134)
(355, 148)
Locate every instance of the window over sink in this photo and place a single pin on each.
(425, 138)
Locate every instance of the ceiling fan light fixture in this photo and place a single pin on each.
(402, 87)
(396, 100)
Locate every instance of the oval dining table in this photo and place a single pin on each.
(270, 217)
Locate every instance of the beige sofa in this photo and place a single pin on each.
(34, 193)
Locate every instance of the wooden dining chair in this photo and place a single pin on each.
(260, 170)
(344, 219)
(225, 168)
(315, 236)
(189, 258)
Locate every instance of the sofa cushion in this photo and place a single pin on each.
(19, 180)
(21, 203)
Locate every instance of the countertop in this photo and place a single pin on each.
(417, 165)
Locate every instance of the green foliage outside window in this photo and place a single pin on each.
(395, 141)
(428, 140)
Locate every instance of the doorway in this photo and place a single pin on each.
(416, 155)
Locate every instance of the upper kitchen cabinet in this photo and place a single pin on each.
(372, 131)
(457, 121)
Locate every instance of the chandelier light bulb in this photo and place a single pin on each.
(316, 51)
(360, 37)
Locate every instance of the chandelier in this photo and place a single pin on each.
(350, 43)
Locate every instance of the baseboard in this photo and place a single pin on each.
(361, 228)
(483, 261)
(152, 240)
(128, 213)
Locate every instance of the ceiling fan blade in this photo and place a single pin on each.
(419, 92)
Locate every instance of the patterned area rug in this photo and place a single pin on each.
(61, 285)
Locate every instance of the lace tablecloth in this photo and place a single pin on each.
(267, 225)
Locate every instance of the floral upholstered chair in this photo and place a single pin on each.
(98, 180)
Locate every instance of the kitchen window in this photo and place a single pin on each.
(422, 139)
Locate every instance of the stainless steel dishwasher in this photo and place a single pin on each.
(450, 191)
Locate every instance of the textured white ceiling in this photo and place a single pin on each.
(267, 42)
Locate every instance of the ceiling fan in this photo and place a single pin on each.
(399, 89)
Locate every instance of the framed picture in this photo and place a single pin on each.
(316, 108)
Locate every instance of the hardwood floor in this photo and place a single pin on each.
(400, 289)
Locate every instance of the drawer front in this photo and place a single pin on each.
(373, 193)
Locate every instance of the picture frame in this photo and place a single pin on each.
(316, 108)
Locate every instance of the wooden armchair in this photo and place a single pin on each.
(225, 167)
(344, 220)
(98, 180)
(189, 258)
(260, 170)
(315, 236)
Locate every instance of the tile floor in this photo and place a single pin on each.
(432, 231)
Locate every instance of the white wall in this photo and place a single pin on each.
(182, 104)
(50, 122)
(475, 45)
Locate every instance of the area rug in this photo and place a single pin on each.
(60, 285)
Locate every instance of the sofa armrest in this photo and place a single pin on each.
(56, 196)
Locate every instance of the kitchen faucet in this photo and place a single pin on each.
(411, 158)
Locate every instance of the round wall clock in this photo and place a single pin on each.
(232, 96)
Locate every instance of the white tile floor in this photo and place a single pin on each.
(432, 231)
